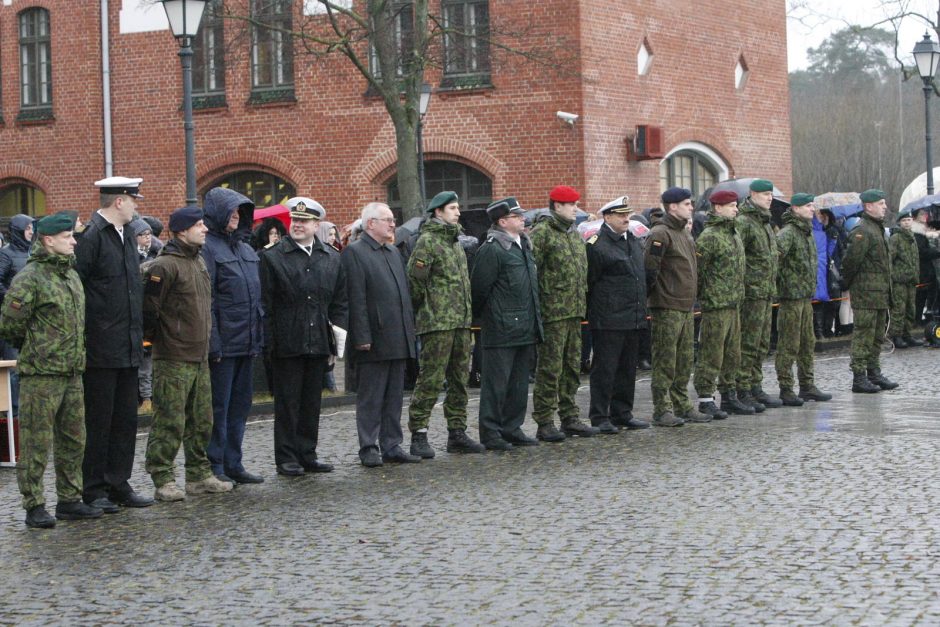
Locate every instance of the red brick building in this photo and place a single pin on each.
(709, 77)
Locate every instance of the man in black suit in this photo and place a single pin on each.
(381, 333)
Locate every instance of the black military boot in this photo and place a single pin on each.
(731, 404)
(759, 395)
(899, 342)
(813, 393)
(573, 426)
(912, 341)
(875, 376)
(549, 433)
(38, 518)
(860, 383)
(708, 407)
(788, 398)
(604, 426)
(745, 397)
(459, 442)
(76, 510)
(420, 445)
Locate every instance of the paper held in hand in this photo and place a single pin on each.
(339, 336)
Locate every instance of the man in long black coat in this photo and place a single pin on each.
(109, 266)
(381, 333)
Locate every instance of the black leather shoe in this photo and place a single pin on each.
(106, 505)
(243, 476)
(38, 518)
(290, 469)
(899, 342)
(519, 438)
(398, 456)
(759, 395)
(131, 499)
(629, 421)
(224, 478)
(318, 466)
(420, 445)
(605, 426)
(370, 458)
(76, 510)
(498, 444)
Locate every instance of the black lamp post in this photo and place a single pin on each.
(423, 101)
(184, 17)
(927, 57)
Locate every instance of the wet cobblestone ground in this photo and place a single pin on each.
(825, 514)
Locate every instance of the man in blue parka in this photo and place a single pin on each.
(236, 327)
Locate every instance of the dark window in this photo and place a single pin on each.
(209, 57)
(35, 60)
(262, 188)
(272, 53)
(466, 43)
(474, 188)
(688, 169)
(21, 198)
(403, 25)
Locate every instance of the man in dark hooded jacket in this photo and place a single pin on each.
(12, 259)
(236, 327)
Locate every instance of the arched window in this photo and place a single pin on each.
(35, 63)
(262, 188)
(474, 188)
(20, 197)
(690, 169)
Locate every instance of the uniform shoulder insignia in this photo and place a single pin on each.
(657, 249)
(859, 236)
(420, 264)
(16, 304)
(592, 239)
(156, 278)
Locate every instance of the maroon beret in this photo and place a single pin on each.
(723, 197)
(563, 193)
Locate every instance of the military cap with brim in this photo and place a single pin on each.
(871, 195)
(800, 199)
(120, 185)
(304, 208)
(441, 199)
(723, 197)
(184, 218)
(503, 207)
(620, 204)
(56, 223)
(761, 185)
(675, 195)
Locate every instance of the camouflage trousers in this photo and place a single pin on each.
(867, 336)
(795, 343)
(182, 414)
(672, 332)
(903, 310)
(557, 372)
(719, 351)
(445, 356)
(52, 415)
(755, 341)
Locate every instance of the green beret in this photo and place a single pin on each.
(801, 199)
(872, 195)
(905, 213)
(761, 185)
(56, 223)
(441, 200)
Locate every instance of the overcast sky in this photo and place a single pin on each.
(809, 28)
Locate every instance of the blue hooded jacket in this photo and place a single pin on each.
(13, 257)
(826, 249)
(234, 272)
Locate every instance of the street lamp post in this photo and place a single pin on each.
(423, 102)
(184, 17)
(927, 57)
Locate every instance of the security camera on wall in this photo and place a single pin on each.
(570, 118)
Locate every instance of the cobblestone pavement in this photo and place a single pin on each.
(821, 514)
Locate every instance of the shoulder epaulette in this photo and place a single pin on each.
(592, 239)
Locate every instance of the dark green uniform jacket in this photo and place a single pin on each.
(866, 266)
(438, 279)
(616, 282)
(760, 250)
(670, 265)
(562, 263)
(797, 263)
(504, 287)
(720, 255)
(905, 259)
(44, 314)
(178, 303)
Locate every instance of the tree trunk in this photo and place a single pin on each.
(408, 185)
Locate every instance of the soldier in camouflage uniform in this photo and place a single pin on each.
(866, 271)
(760, 253)
(905, 272)
(671, 287)
(44, 316)
(178, 321)
(720, 260)
(796, 285)
(562, 272)
(440, 294)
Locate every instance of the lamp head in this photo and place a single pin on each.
(184, 16)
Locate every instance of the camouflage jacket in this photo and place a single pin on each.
(760, 251)
(905, 259)
(562, 269)
(720, 255)
(797, 261)
(438, 278)
(44, 314)
(866, 265)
